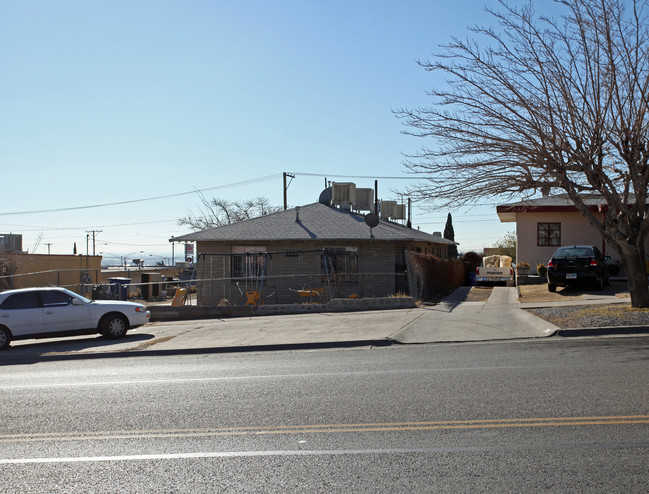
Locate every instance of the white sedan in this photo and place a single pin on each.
(48, 312)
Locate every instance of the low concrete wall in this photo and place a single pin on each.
(168, 313)
(530, 280)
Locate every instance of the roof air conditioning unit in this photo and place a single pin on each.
(343, 193)
(364, 200)
(10, 242)
(388, 209)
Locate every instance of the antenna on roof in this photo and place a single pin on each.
(371, 220)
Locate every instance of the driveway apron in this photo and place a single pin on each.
(453, 320)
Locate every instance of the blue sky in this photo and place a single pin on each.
(113, 102)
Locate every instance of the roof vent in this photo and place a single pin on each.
(297, 214)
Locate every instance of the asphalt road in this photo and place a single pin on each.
(542, 415)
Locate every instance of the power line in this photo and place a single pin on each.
(458, 221)
(33, 228)
(422, 215)
(351, 176)
(132, 201)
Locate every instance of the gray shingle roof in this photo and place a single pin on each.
(317, 222)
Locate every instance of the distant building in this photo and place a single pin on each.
(22, 270)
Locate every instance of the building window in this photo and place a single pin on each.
(341, 262)
(248, 262)
(548, 234)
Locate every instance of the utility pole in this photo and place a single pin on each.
(94, 232)
(286, 189)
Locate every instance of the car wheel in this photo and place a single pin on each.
(5, 338)
(552, 287)
(113, 326)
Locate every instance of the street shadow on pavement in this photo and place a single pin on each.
(32, 351)
(449, 301)
(67, 353)
(617, 348)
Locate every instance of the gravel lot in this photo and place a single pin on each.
(585, 316)
(597, 316)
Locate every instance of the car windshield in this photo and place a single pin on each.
(574, 252)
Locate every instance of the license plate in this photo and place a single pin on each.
(571, 276)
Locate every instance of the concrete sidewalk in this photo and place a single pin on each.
(452, 320)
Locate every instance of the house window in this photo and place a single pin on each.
(248, 262)
(340, 260)
(548, 234)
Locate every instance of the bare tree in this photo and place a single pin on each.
(218, 212)
(548, 103)
(8, 268)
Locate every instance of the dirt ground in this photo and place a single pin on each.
(478, 294)
(540, 293)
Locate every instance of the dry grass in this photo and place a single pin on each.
(540, 293)
(615, 310)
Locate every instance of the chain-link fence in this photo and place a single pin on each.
(240, 279)
(299, 288)
(290, 277)
(80, 281)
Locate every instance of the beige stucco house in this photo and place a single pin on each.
(546, 223)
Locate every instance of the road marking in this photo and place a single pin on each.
(328, 428)
(388, 451)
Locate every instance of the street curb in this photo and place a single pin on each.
(487, 340)
(30, 359)
(603, 331)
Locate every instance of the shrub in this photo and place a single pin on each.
(541, 269)
(434, 276)
(471, 261)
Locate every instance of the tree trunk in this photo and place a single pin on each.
(634, 265)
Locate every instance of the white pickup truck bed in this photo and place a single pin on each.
(495, 269)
